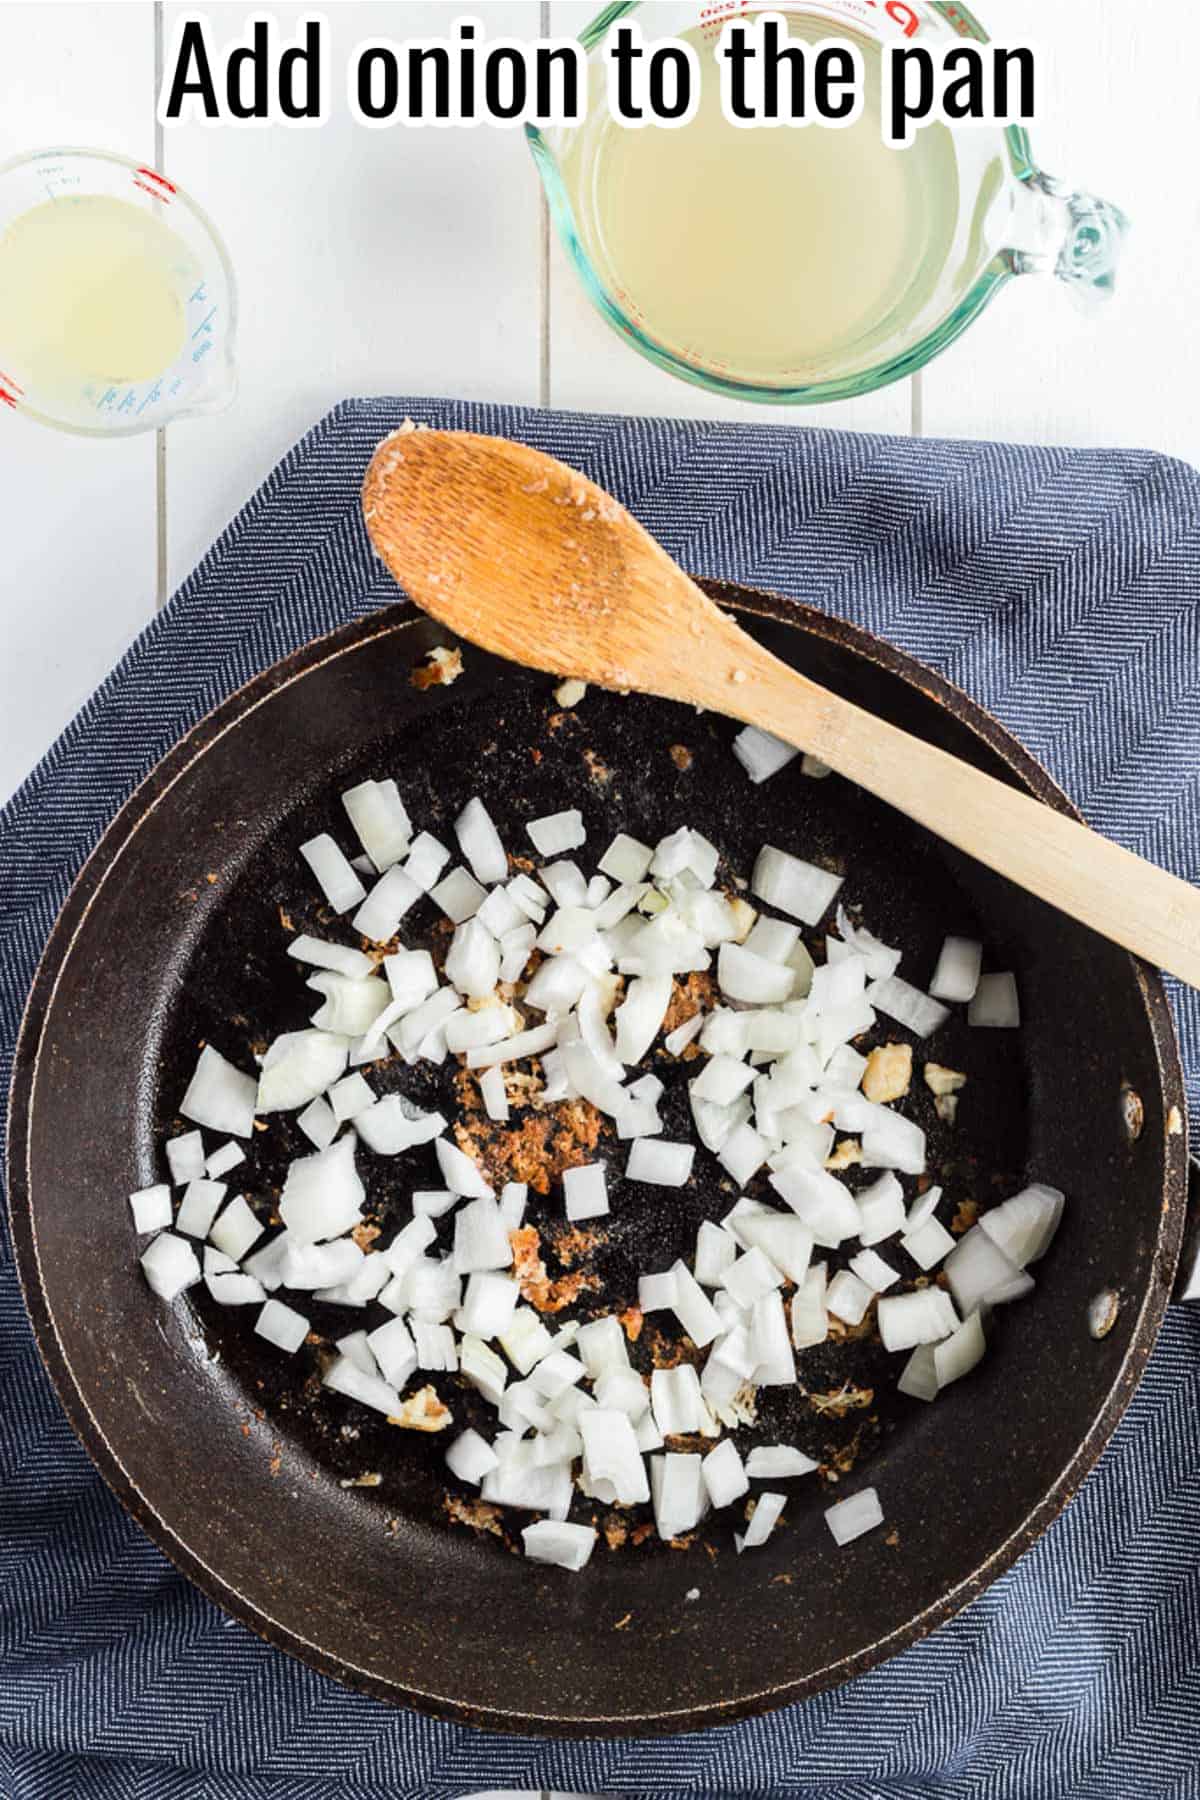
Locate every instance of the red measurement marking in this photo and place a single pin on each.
(14, 385)
(8, 399)
(160, 181)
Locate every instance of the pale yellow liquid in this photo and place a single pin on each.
(769, 252)
(92, 289)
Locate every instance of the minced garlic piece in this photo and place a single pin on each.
(848, 1152)
(570, 693)
(423, 1411)
(946, 1108)
(943, 1081)
(888, 1073)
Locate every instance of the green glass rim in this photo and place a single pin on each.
(991, 278)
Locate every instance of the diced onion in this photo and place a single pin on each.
(766, 1516)
(996, 1004)
(797, 888)
(852, 1518)
(335, 878)
(220, 1096)
(170, 1265)
(956, 977)
(559, 1542)
(760, 754)
(557, 832)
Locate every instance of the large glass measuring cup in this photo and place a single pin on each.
(997, 217)
(187, 271)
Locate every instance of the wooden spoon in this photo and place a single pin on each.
(520, 554)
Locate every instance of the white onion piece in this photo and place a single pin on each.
(494, 1095)
(428, 1290)
(724, 1474)
(237, 1229)
(612, 914)
(919, 1377)
(996, 1004)
(349, 1097)
(470, 1457)
(762, 1523)
(281, 1325)
(394, 1124)
(334, 876)
(893, 1142)
(956, 977)
(880, 958)
(659, 1163)
(838, 987)
(465, 1030)
(677, 1041)
(637, 1119)
(907, 1005)
(611, 1454)
(514, 1196)
(556, 986)
(170, 1265)
(852, 1518)
(380, 821)
(770, 1346)
(557, 832)
(777, 1462)
(678, 1404)
(513, 1049)
(760, 754)
(460, 1173)
(501, 914)
(185, 1157)
(693, 1308)
(350, 1008)
(601, 1345)
(923, 1317)
(742, 1154)
(639, 1019)
(515, 949)
(220, 1096)
(1025, 1225)
(265, 1265)
(685, 851)
(820, 1200)
(482, 1368)
(773, 939)
(786, 1242)
(878, 1275)
(199, 1207)
(307, 1267)
(374, 1391)
(411, 977)
(480, 1238)
(680, 1496)
(981, 1273)
(880, 1210)
(151, 1208)
(480, 843)
(529, 1488)
(722, 1080)
(922, 1208)
(300, 1066)
(322, 1194)
(393, 895)
(626, 860)
(524, 1340)
(656, 1293)
(958, 1354)
(848, 1298)
(488, 1305)
(458, 895)
(415, 1026)
(223, 1159)
(929, 1244)
(585, 1192)
(750, 1277)
(565, 882)
(751, 979)
(425, 861)
(408, 1243)
(810, 1321)
(473, 960)
(526, 893)
(233, 1288)
(353, 964)
(560, 1543)
(589, 1079)
(715, 1125)
(590, 1015)
(794, 887)
(716, 1252)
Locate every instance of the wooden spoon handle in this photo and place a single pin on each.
(1118, 894)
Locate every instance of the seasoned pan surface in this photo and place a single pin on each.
(234, 1458)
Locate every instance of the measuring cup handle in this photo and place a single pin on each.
(1077, 237)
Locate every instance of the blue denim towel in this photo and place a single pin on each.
(1060, 588)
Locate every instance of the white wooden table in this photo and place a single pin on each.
(419, 262)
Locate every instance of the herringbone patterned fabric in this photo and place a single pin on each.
(1059, 587)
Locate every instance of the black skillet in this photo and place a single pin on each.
(230, 1455)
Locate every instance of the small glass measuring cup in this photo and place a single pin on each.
(1010, 218)
(201, 377)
